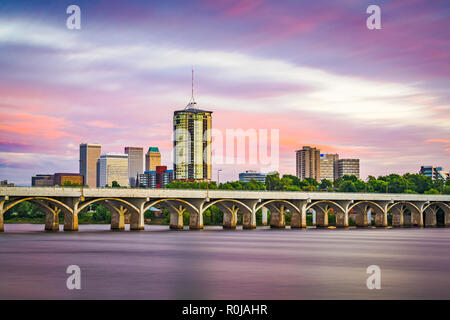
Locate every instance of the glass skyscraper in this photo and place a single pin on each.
(192, 143)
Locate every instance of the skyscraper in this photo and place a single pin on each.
(113, 167)
(89, 155)
(348, 167)
(329, 166)
(152, 159)
(308, 163)
(192, 142)
(135, 163)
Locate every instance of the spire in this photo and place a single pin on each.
(192, 84)
(192, 104)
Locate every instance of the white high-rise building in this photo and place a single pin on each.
(113, 167)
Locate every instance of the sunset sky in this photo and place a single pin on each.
(311, 69)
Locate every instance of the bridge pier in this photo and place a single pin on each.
(447, 217)
(118, 218)
(430, 217)
(277, 216)
(415, 219)
(249, 220)
(137, 213)
(361, 216)
(176, 217)
(264, 216)
(380, 218)
(2, 223)
(322, 216)
(397, 217)
(2, 211)
(71, 222)
(298, 217)
(229, 215)
(52, 219)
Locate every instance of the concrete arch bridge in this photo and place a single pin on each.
(406, 209)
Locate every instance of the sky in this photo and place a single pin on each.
(310, 69)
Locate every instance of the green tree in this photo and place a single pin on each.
(432, 191)
(446, 190)
(115, 184)
(326, 184)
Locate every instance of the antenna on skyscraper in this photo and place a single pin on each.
(192, 83)
(192, 103)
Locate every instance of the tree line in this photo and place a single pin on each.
(392, 183)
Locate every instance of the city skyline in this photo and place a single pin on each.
(371, 95)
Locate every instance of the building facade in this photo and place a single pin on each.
(329, 166)
(192, 143)
(434, 173)
(113, 167)
(89, 155)
(251, 174)
(348, 167)
(308, 163)
(42, 180)
(60, 179)
(152, 159)
(135, 163)
(156, 178)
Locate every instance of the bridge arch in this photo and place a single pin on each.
(404, 203)
(440, 204)
(56, 202)
(154, 203)
(240, 203)
(89, 202)
(366, 201)
(288, 203)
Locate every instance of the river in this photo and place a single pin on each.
(215, 264)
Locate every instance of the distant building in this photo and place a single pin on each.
(329, 166)
(72, 178)
(57, 179)
(308, 163)
(192, 142)
(348, 167)
(152, 159)
(42, 180)
(135, 163)
(156, 178)
(4, 183)
(89, 155)
(434, 173)
(113, 167)
(251, 174)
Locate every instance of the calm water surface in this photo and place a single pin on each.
(216, 264)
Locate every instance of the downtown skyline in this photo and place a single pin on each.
(319, 76)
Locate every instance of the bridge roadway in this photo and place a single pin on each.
(407, 209)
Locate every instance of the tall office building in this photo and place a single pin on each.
(113, 167)
(192, 142)
(308, 163)
(89, 155)
(348, 167)
(329, 166)
(152, 159)
(135, 163)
